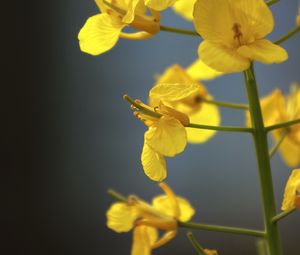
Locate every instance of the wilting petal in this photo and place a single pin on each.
(121, 217)
(264, 51)
(208, 114)
(99, 34)
(166, 136)
(159, 5)
(289, 149)
(164, 205)
(154, 164)
(185, 8)
(222, 59)
(143, 238)
(200, 71)
(291, 189)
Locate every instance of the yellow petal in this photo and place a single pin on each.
(164, 205)
(185, 8)
(222, 59)
(132, 5)
(121, 217)
(200, 71)
(215, 20)
(159, 5)
(289, 149)
(154, 164)
(271, 105)
(208, 114)
(143, 238)
(264, 51)
(99, 34)
(166, 136)
(291, 189)
(210, 252)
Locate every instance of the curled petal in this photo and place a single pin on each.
(154, 164)
(159, 5)
(291, 189)
(200, 71)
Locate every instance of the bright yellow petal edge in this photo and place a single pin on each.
(291, 194)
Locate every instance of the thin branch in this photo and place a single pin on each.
(179, 31)
(282, 215)
(278, 143)
(288, 35)
(282, 125)
(224, 229)
(271, 2)
(221, 128)
(195, 244)
(226, 104)
(116, 195)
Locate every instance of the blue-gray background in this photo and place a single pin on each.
(73, 137)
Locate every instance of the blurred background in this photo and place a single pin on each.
(70, 137)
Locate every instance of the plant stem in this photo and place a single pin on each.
(271, 2)
(282, 215)
(195, 244)
(116, 195)
(263, 160)
(282, 125)
(278, 143)
(226, 104)
(261, 247)
(288, 35)
(179, 31)
(221, 128)
(224, 229)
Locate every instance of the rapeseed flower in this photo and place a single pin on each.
(101, 32)
(185, 8)
(147, 219)
(277, 108)
(234, 34)
(175, 88)
(291, 197)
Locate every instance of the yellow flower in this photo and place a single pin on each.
(176, 89)
(102, 31)
(277, 108)
(233, 33)
(146, 219)
(292, 192)
(166, 136)
(201, 71)
(185, 8)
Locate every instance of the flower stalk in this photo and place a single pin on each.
(278, 143)
(262, 153)
(282, 215)
(179, 31)
(288, 35)
(226, 104)
(200, 250)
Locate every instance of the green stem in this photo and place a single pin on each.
(116, 195)
(224, 229)
(178, 31)
(221, 128)
(278, 143)
(226, 104)
(263, 160)
(282, 125)
(261, 247)
(288, 35)
(282, 215)
(271, 2)
(195, 244)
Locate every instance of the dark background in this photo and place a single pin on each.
(68, 136)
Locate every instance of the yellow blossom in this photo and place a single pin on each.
(185, 8)
(102, 31)
(201, 71)
(178, 90)
(277, 108)
(166, 136)
(234, 34)
(147, 219)
(292, 192)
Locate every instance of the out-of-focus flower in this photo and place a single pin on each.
(210, 252)
(201, 71)
(146, 219)
(298, 17)
(185, 8)
(178, 90)
(166, 136)
(234, 32)
(101, 32)
(291, 197)
(277, 108)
